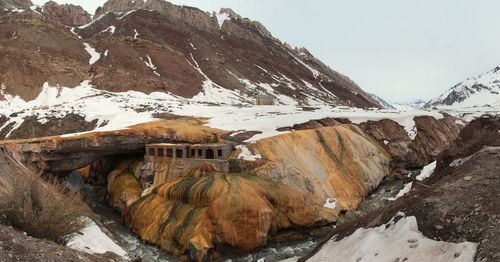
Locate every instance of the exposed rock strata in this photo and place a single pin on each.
(433, 137)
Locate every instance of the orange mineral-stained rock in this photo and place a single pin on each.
(240, 210)
(204, 209)
(123, 186)
(340, 162)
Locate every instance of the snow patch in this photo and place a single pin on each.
(394, 241)
(149, 63)
(93, 241)
(94, 55)
(403, 192)
(330, 203)
(246, 154)
(110, 30)
(427, 171)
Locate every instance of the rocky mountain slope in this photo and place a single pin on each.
(160, 47)
(480, 91)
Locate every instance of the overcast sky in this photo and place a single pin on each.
(400, 50)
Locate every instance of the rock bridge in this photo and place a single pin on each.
(63, 154)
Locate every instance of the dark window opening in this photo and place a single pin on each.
(193, 153)
(178, 153)
(170, 152)
(219, 153)
(151, 151)
(210, 154)
(200, 153)
(160, 152)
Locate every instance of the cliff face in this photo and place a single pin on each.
(15, 3)
(67, 14)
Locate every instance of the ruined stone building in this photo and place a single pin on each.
(168, 161)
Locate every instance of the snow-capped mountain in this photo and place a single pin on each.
(155, 46)
(382, 102)
(480, 91)
(417, 104)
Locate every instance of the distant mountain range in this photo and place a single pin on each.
(480, 91)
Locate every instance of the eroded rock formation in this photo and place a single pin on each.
(196, 213)
(67, 14)
(340, 162)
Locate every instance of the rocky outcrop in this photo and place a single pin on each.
(53, 126)
(67, 14)
(123, 185)
(340, 162)
(433, 137)
(17, 246)
(204, 212)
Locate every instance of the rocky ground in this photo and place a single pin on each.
(17, 246)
